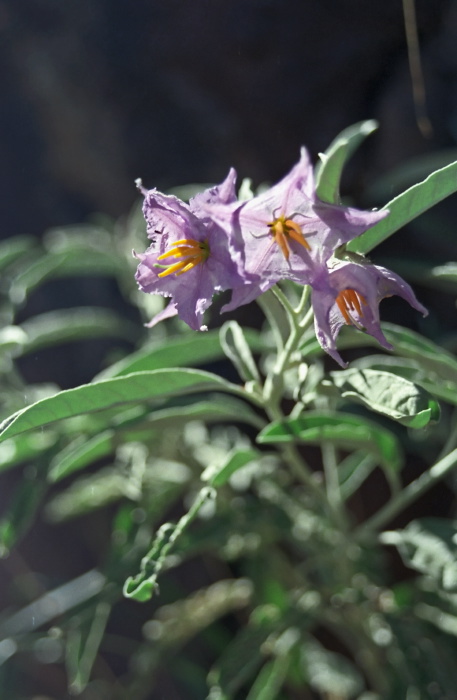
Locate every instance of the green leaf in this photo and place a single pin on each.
(67, 325)
(80, 454)
(330, 673)
(407, 206)
(12, 339)
(21, 511)
(237, 349)
(241, 658)
(14, 248)
(119, 391)
(428, 355)
(68, 255)
(89, 493)
(218, 475)
(447, 272)
(429, 545)
(24, 448)
(353, 471)
(83, 642)
(185, 618)
(343, 430)
(270, 680)
(389, 394)
(328, 171)
(443, 389)
(192, 349)
(140, 427)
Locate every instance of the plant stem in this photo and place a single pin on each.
(409, 494)
(332, 483)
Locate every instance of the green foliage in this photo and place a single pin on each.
(388, 394)
(429, 545)
(235, 512)
(330, 167)
(407, 206)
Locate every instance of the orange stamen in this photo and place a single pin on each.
(349, 300)
(192, 253)
(282, 229)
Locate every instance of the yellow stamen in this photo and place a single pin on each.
(282, 229)
(349, 300)
(192, 253)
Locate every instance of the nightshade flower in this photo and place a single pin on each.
(287, 231)
(190, 258)
(349, 293)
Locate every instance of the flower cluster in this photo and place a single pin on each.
(217, 242)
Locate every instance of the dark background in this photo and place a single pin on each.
(96, 93)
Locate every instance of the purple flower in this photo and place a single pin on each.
(190, 258)
(287, 231)
(349, 293)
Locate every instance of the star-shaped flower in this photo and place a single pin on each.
(190, 258)
(349, 293)
(288, 232)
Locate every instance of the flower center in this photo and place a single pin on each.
(282, 229)
(189, 253)
(349, 301)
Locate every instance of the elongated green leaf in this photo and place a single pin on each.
(131, 388)
(406, 343)
(12, 339)
(24, 448)
(447, 272)
(407, 206)
(183, 351)
(343, 430)
(354, 470)
(389, 394)
(429, 545)
(218, 475)
(83, 642)
(79, 261)
(140, 427)
(14, 248)
(22, 509)
(328, 171)
(66, 325)
(238, 351)
(182, 620)
(429, 355)
(80, 454)
(330, 673)
(241, 658)
(87, 494)
(270, 679)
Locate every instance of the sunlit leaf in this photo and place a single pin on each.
(22, 449)
(67, 325)
(219, 474)
(343, 430)
(236, 347)
(407, 206)
(119, 391)
(429, 545)
(389, 394)
(182, 351)
(330, 673)
(330, 167)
